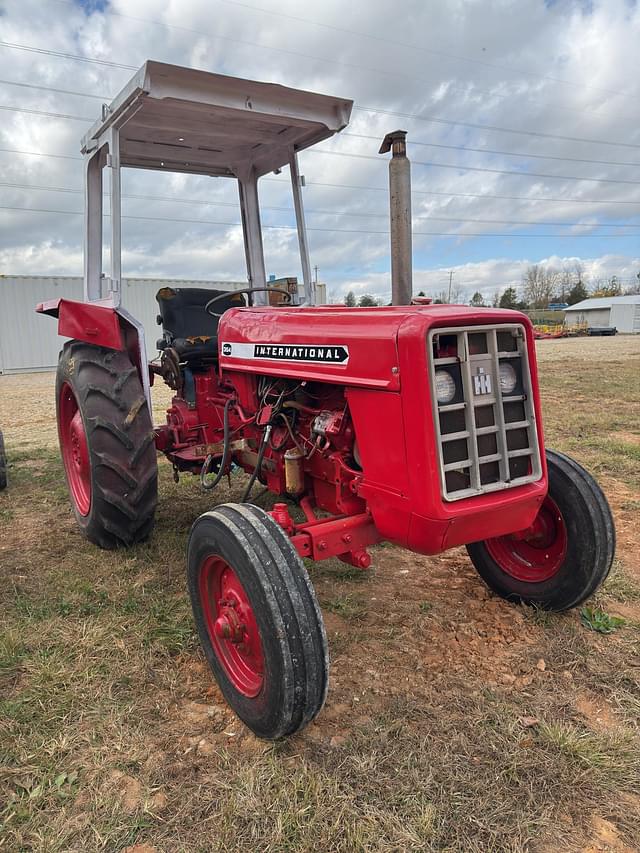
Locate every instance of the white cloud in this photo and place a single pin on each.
(482, 63)
(491, 275)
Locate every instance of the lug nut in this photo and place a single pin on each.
(222, 628)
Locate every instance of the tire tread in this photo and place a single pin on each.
(121, 443)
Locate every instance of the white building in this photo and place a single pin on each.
(623, 312)
(30, 341)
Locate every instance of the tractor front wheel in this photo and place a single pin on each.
(258, 619)
(3, 464)
(107, 444)
(567, 552)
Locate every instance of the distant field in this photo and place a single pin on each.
(455, 721)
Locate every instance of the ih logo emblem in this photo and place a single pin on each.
(482, 382)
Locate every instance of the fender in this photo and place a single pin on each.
(102, 324)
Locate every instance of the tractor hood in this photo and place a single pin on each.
(349, 346)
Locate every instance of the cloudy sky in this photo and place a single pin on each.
(522, 118)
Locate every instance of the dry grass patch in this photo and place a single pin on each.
(455, 722)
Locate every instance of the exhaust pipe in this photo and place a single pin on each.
(400, 215)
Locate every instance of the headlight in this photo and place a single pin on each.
(508, 378)
(445, 387)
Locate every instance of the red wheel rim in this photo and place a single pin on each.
(231, 625)
(75, 450)
(537, 553)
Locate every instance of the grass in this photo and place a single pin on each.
(112, 732)
(620, 585)
(346, 606)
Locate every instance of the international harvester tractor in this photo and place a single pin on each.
(415, 424)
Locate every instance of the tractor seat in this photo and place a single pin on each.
(187, 327)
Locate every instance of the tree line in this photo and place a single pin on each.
(540, 287)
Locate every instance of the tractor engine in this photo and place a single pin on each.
(296, 437)
(293, 434)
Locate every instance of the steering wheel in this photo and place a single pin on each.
(245, 290)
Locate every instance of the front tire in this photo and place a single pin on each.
(566, 553)
(258, 619)
(107, 444)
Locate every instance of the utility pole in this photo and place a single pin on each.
(315, 269)
(450, 280)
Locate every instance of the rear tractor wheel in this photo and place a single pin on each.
(3, 464)
(107, 444)
(258, 619)
(567, 552)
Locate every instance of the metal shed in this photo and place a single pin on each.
(623, 312)
(29, 341)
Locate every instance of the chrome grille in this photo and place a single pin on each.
(486, 430)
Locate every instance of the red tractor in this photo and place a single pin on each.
(417, 424)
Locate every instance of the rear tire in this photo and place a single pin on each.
(565, 555)
(258, 619)
(3, 464)
(107, 444)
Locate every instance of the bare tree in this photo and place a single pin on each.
(570, 278)
(539, 285)
(634, 287)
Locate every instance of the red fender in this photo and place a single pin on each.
(84, 321)
(104, 326)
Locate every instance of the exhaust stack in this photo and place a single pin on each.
(400, 215)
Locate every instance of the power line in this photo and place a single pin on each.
(527, 155)
(40, 154)
(421, 48)
(316, 212)
(435, 119)
(106, 98)
(325, 230)
(372, 157)
(481, 169)
(386, 72)
(43, 113)
(537, 133)
(386, 189)
(62, 55)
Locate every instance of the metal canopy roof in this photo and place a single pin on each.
(178, 119)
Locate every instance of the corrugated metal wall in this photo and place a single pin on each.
(626, 317)
(30, 341)
(593, 316)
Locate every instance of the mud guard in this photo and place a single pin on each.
(102, 324)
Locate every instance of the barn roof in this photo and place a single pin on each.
(604, 302)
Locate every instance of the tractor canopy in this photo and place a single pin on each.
(184, 120)
(176, 119)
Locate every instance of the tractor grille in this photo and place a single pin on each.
(485, 421)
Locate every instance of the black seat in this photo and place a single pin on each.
(187, 327)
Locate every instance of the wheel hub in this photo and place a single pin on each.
(228, 625)
(75, 449)
(537, 553)
(232, 626)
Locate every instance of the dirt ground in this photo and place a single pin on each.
(454, 722)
